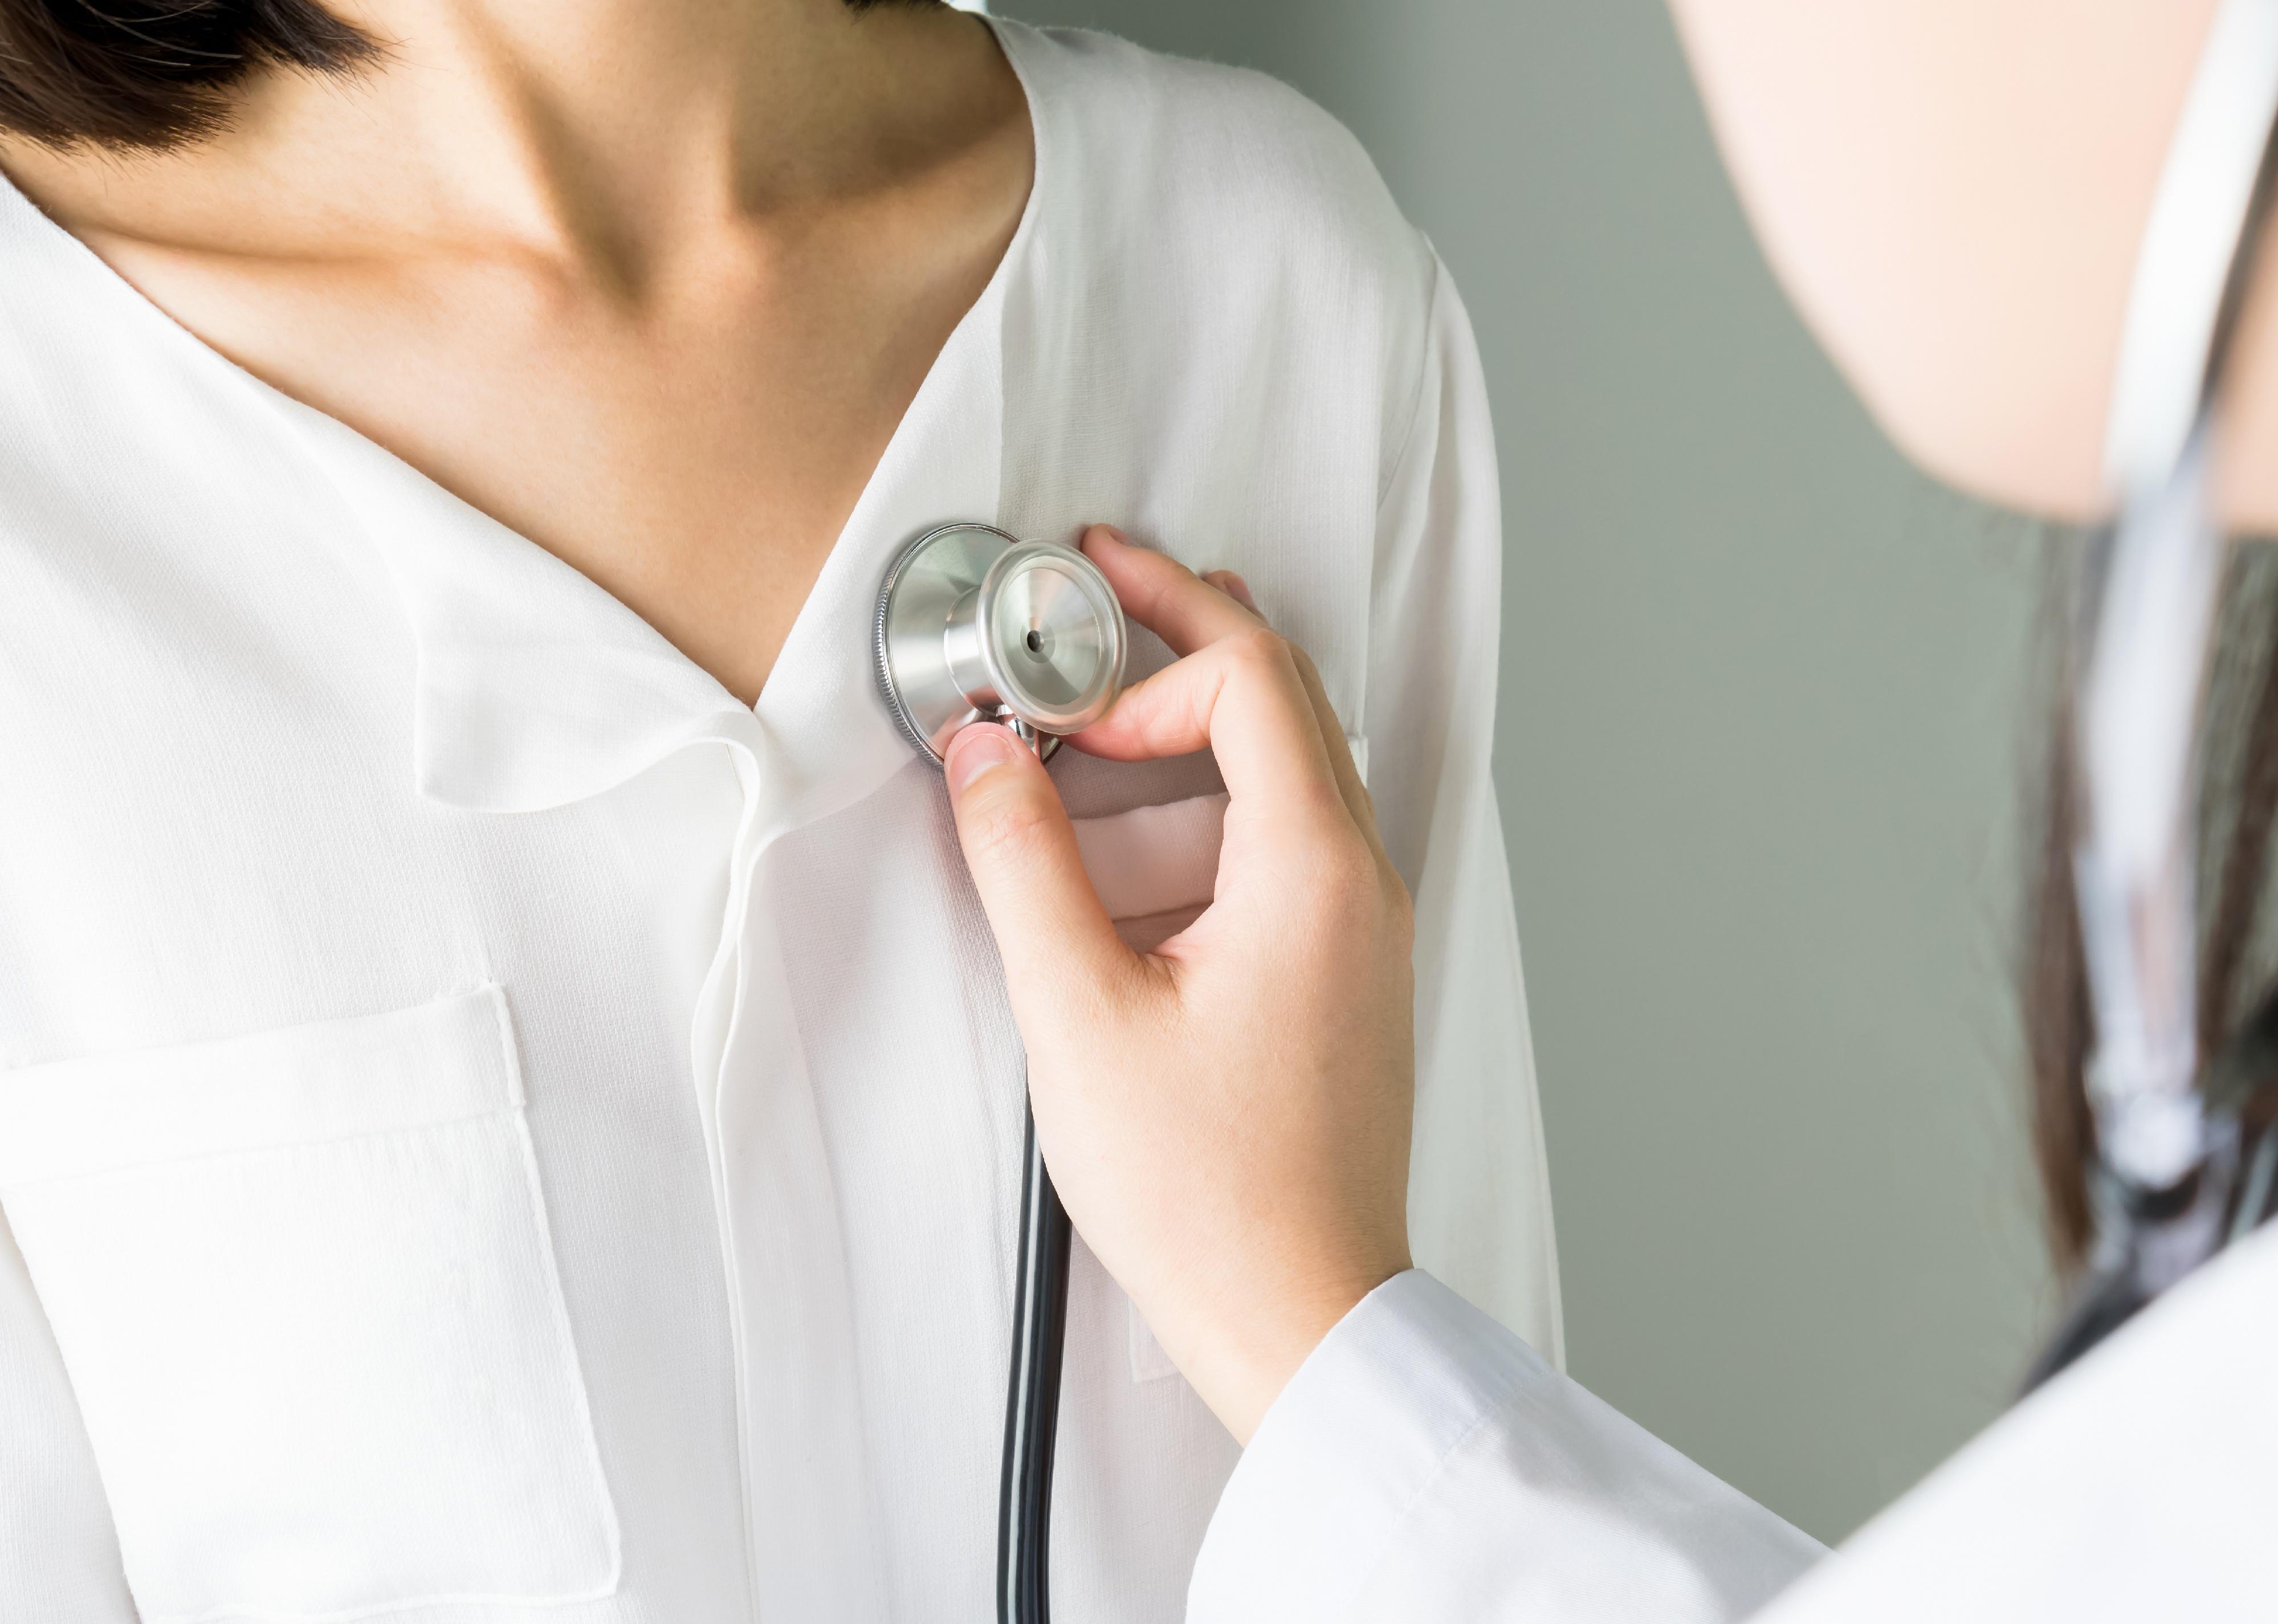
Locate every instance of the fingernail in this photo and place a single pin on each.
(1238, 588)
(976, 750)
(1107, 532)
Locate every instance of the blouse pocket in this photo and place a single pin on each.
(1155, 868)
(303, 1283)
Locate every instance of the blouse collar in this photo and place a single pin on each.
(534, 687)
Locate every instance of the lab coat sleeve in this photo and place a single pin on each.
(1425, 1464)
(58, 1555)
(1479, 1191)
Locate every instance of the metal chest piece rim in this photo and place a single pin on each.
(974, 625)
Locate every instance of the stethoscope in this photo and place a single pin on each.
(974, 625)
(2182, 1166)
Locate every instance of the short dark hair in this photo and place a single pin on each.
(153, 73)
(157, 73)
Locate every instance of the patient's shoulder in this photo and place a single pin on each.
(1217, 165)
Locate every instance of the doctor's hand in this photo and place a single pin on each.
(1227, 1118)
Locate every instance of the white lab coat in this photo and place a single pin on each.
(489, 1123)
(1425, 1466)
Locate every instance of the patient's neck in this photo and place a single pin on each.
(651, 282)
(609, 133)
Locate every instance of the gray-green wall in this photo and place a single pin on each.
(1760, 716)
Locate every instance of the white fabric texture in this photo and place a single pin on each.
(488, 1121)
(394, 1304)
(1425, 1464)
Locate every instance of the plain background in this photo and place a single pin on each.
(1764, 704)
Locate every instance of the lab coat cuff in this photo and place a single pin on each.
(1354, 1442)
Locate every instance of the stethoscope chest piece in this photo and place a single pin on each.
(974, 625)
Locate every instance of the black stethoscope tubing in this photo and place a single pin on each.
(939, 638)
(1032, 1400)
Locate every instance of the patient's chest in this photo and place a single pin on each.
(432, 1203)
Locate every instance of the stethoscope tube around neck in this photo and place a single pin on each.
(2166, 1186)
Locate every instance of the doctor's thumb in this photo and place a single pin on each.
(1049, 921)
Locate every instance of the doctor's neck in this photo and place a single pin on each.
(605, 132)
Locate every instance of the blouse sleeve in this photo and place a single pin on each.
(1426, 1464)
(60, 1558)
(1478, 1200)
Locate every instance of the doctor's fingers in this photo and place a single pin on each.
(1165, 596)
(1340, 758)
(1050, 927)
(1243, 699)
(1191, 612)
(1235, 587)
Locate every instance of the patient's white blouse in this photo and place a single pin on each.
(490, 1123)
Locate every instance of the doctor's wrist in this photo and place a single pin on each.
(1244, 1354)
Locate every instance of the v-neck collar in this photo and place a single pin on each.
(535, 687)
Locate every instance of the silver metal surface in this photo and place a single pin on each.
(975, 625)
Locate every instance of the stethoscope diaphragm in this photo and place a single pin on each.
(974, 625)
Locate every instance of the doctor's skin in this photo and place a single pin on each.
(1227, 1117)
